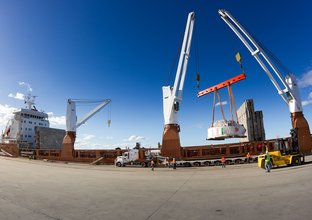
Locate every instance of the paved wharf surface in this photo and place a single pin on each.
(38, 190)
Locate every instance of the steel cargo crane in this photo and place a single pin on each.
(287, 88)
(72, 124)
(172, 96)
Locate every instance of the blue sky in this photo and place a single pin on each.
(126, 51)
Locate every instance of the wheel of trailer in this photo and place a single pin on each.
(196, 164)
(207, 163)
(238, 161)
(187, 164)
(118, 164)
(295, 161)
(217, 163)
(228, 162)
(143, 164)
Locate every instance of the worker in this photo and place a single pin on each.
(174, 163)
(152, 165)
(248, 157)
(267, 163)
(223, 161)
(167, 162)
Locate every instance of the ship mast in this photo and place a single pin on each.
(30, 102)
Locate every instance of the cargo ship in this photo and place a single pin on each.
(20, 128)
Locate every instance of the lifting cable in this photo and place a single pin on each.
(197, 61)
(109, 114)
(224, 84)
(232, 103)
(279, 64)
(216, 93)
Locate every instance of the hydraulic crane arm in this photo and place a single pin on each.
(290, 92)
(71, 118)
(173, 95)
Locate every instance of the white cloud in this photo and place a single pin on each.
(18, 96)
(80, 144)
(56, 120)
(88, 137)
(135, 138)
(305, 80)
(6, 112)
(29, 89)
(88, 141)
(223, 103)
(307, 102)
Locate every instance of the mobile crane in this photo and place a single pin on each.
(72, 124)
(172, 96)
(300, 133)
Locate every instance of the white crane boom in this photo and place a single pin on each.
(171, 97)
(290, 92)
(71, 117)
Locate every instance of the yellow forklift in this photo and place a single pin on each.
(284, 152)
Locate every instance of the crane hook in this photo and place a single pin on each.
(198, 80)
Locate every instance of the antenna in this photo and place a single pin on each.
(30, 101)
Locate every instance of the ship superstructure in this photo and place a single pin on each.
(21, 128)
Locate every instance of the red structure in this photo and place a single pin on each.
(222, 85)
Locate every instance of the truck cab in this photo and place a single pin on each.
(130, 156)
(139, 156)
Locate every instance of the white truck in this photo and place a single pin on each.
(141, 157)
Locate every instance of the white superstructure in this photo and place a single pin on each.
(21, 128)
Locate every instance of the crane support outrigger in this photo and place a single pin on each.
(172, 96)
(287, 88)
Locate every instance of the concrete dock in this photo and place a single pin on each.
(38, 190)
